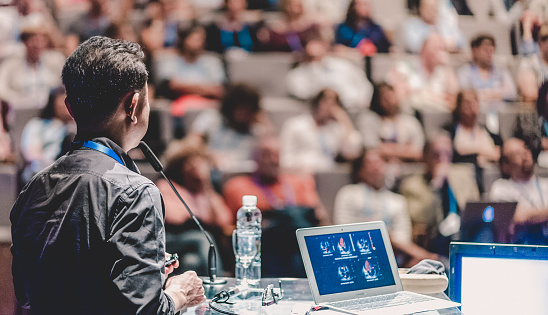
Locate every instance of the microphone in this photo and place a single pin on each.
(212, 257)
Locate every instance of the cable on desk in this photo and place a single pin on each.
(221, 298)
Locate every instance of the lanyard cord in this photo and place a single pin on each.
(101, 148)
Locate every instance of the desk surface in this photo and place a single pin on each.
(295, 290)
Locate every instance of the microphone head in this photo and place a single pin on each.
(151, 157)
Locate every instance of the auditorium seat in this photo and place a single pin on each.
(8, 187)
(328, 184)
(20, 118)
(266, 71)
(508, 119)
(279, 109)
(471, 27)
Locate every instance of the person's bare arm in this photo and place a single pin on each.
(405, 152)
(529, 215)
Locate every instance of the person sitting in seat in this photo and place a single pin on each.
(368, 199)
(521, 185)
(188, 166)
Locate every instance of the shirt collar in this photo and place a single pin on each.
(128, 161)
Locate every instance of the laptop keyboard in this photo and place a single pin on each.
(381, 301)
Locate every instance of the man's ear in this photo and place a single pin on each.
(131, 107)
(68, 108)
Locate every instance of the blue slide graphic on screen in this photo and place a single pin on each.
(350, 261)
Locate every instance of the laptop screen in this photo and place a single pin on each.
(499, 278)
(349, 261)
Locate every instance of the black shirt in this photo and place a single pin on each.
(88, 238)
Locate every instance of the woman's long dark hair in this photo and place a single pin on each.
(351, 16)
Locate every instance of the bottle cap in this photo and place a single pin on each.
(249, 200)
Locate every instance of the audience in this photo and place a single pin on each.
(233, 29)
(396, 135)
(493, 84)
(291, 31)
(315, 141)
(191, 77)
(47, 137)
(231, 131)
(319, 71)
(428, 83)
(234, 124)
(359, 28)
(25, 81)
(435, 198)
(188, 166)
(533, 70)
(368, 199)
(521, 185)
(434, 16)
(540, 152)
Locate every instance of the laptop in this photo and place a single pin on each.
(499, 278)
(352, 268)
(487, 222)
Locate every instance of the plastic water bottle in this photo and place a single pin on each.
(248, 224)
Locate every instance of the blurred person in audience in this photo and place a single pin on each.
(434, 16)
(287, 201)
(359, 28)
(319, 71)
(26, 81)
(231, 131)
(163, 20)
(540, 150)
(521, 185)
(396, 135)
(192, 78)
(46, 138)
(533, 70)
(368, 199)
(493, 84)
(94, 21)
(189, 167)
(5, 141)
(472, 142)
(315, 141)
(435, 198)
(32, 12)
(233, 29)
(292, 31)
(428, 83)
(121, 30)
(275, 189)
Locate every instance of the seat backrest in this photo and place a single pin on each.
(266, 71)
(328, 184)
(9, 189)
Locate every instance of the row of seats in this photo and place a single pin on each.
(267, 71)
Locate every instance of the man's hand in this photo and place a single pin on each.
(170, 268)
(185, 290)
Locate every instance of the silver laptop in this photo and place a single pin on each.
(352, 268)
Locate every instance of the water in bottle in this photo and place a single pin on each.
(248, 241)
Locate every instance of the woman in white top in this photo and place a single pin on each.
(315, 141)
(472, 142)
(397, 135)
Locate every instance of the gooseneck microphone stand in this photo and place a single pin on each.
(212, 257)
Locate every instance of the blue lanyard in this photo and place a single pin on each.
(103, 149)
